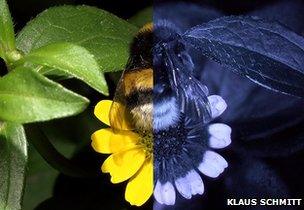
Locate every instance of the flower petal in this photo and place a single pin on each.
(157, 192)
(213, 164)
(107, 141)
(123, 165)
(217, 105)
(196, 183)
(165, 194)
(140, 187)
(183, 187)
(220, 135)
(102, 111)
(120, 117)
(168, 193)
(209, 169)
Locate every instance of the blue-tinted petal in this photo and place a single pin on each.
(220, 135)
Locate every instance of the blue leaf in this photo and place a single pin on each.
(265, 52)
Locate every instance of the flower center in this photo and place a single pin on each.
(146, 141)
(169, 142)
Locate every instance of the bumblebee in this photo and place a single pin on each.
(157, 88)
(133, 101)
(177, 93)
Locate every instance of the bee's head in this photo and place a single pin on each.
(169, 53)
(141, 48)
(167, 41)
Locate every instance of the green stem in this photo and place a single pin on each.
(11, 59)
(52, 156)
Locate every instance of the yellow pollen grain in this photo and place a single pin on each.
(146, 141)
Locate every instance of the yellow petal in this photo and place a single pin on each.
(123, 165)
(120, 117)
(107, 142)
(102, 110)
(140, 187)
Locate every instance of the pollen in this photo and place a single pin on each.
(146, 141)
(169, 142)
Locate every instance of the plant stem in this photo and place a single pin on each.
(12, 58)
(52, 156)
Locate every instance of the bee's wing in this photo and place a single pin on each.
(194, 101)
(191, 94)
(120, 117)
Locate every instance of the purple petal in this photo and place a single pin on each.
(220, 135)
(217, 105)
(213, 164)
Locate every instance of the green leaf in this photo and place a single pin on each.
(73, 60)
(7, 35)
(106, 36)
(13, 161)
(52, 73)
(142, 17)
(27, 96)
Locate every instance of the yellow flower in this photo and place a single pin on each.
(131, 156)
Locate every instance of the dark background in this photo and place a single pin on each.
(248, 176)
(25, 10)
